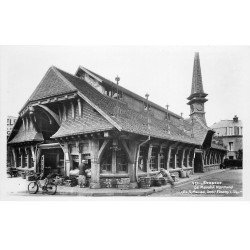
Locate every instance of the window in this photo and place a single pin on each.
(26, 161)
(240, 130)
(19, 160)
(106, 161)
(230, 146)
(230, 131)
(8, 121)
(115, 153)
(236, 130)
(121, 161)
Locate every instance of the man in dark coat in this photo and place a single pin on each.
(82, 173)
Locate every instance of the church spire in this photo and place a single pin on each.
(197, 96)
(197, 86)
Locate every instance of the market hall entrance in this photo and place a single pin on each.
(52, 161)
(198, 165)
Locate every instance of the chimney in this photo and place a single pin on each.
(235, 119)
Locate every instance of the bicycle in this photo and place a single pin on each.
(49, 187)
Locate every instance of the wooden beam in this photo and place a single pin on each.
(127, 150)
(72, 109)
(101, 150)
(79, 107)
(64, 112)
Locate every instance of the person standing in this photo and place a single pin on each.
(83, 166)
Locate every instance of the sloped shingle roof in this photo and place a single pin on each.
(26, 136)
(128, 119)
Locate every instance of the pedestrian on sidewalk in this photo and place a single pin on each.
(82, 173)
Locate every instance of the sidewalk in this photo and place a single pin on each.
(77, 191)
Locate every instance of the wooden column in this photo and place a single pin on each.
(78, 147)
(175, 157)
(14, 157)
(192, 159)
(38, 155)
(159, 158)
(149, 157)
(33, 155)
(131, 149)
(21, 155)
(27, 155)
(169, 156)
(187, 159)
(95, 164)
(113, 165)
(67, 158)
(183, 156)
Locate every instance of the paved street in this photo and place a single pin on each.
(223, 184)
(215, 184)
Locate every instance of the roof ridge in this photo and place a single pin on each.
(131, 92)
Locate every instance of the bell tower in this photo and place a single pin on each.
(197, 97)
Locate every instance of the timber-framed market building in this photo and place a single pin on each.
(71, 117)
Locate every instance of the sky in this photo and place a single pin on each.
(164, 72)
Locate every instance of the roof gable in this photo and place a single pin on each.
(52, 84)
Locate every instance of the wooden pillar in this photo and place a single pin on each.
(182, 157)
(187, 160)
(175, 157)
(33, 155)
(159, 158)
(78, 147)
(192, 159)
(95, 164)
(113, 165)
(67, 158)
(169, 156)
(131, 155)
(27, 155)
(21, 156)
(149, 157)
(14, 157)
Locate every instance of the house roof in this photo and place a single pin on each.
(226, 123)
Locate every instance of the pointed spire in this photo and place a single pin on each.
(197, 85)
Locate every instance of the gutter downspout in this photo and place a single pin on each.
(137, 158)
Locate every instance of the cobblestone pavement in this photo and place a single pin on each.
(223, 184)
